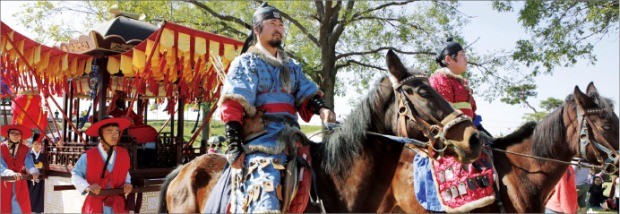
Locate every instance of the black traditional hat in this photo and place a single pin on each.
(263, 12)
(449, 48)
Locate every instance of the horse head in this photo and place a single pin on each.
(420, 110)
(597, 128)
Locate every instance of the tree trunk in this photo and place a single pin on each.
(327, 75)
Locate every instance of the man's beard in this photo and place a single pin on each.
(276, 43)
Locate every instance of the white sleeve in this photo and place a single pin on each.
(78, 175)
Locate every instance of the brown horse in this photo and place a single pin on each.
(355, 165)
(525, 183)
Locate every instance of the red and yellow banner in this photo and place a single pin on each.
(32, 116)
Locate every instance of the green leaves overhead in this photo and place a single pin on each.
(563, 31)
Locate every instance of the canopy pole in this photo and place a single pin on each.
(147, 67)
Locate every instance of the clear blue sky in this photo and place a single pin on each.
(495, 32)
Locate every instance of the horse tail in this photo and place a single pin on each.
(163, 207)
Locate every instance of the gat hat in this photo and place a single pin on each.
(449, 48)
(266, 12)
(122, 123)
(26, 132)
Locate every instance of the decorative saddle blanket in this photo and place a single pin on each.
(463, 187)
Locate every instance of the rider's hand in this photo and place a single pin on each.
(328, 116)
(94, 188)
(127, 189)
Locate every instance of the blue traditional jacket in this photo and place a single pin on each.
(258, 82)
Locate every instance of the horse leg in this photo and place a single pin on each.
(195, 180)
(388, 203)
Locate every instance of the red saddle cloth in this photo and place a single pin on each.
(464, 187)
(300, 201)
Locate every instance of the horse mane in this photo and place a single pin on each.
(602, 102)
(345, 143)
(526, 130)
(546, 133)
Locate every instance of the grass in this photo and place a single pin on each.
(216, 128)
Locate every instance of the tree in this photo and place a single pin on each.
(325, 36)
(550, 104)
(520, 94)
(563, 30)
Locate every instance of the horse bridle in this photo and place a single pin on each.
(436, 134)
(584, 140)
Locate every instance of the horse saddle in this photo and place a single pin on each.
(297, 182)
(463, 187)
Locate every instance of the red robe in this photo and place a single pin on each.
(21, 187)
(455, 90)
(94, 161)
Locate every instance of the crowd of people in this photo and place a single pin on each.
(580, 190)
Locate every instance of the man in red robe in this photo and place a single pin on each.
(104, 167)
(15, 158)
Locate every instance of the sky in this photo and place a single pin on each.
(493, 31)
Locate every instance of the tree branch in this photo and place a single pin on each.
(486, 71)
(298, 25)
(226, 27)
(383, 48)
(340, 25)
(351, 62)
(320, 9)
(381, 7)
(301, 28)
(220, 16)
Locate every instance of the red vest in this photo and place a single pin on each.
(94, 163)
(21, 187)
(455, 90)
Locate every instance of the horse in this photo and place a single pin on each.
(354, 165)
(526, 183)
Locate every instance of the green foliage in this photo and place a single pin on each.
(325, 36)
(551, 103)
(563, 31)
(518, 94)
(536, 117)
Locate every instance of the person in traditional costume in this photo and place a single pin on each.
(450, 83)
(263, 80)
(14, 195)
(37, 189)
(105, 166)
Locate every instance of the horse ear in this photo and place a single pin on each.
(580, 96)
(591, 90)
(395, 66)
